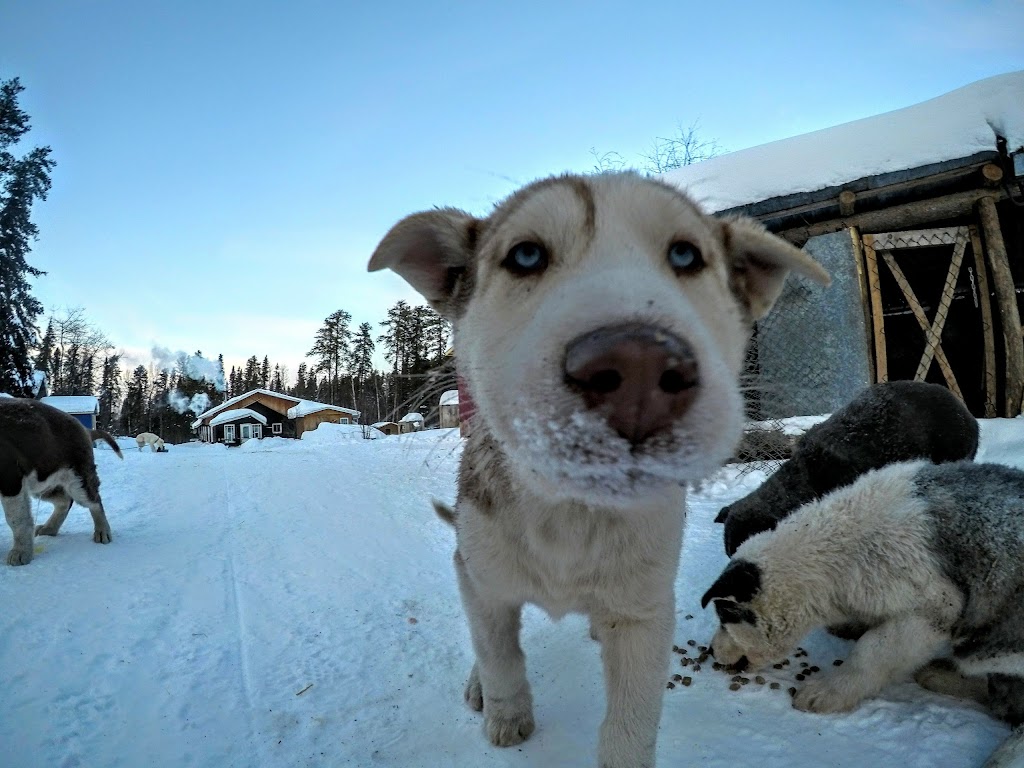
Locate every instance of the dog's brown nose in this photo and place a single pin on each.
(640, 377)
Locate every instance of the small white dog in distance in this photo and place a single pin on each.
(601, 325)
(155, 442)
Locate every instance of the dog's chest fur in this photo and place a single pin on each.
(564, 556)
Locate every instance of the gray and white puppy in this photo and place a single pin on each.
(601, 324)
(47, 454)
(929, 557)
(885, 423)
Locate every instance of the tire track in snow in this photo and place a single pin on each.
(235, 602)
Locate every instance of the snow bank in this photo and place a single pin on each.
(955, 125)
(1002, 441)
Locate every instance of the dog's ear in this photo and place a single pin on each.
(723, 514)
(431, 250)
(740, 581)
(760, 262)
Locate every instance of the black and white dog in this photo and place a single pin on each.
(47, 454)
(886, 423)
(929, 557)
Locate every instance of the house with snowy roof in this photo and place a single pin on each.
(411, 422)
(85, 408)
(919, 216)
(261, 413)
(448, 408)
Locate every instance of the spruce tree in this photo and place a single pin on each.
(44, 358)
(110, 390)
(330, 349)
(22, 180)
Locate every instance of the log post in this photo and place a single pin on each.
(991, 174)
(1006, 298)
(847, 199)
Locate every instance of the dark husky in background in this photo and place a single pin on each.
(885, 423)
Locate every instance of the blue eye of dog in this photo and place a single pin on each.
(526, 258)
(684, 257)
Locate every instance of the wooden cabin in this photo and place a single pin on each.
(261, 413)
(919, 216)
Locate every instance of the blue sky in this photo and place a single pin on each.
(225, 169)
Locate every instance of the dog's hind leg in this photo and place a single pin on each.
(636, 657)
(18, 511)
(88, 495)
(942, 676)
(61, 505)
(498, 681)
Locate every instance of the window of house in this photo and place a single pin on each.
(229, 433)
(343, 420)
(275, 429)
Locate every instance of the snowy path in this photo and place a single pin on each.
(239, 578)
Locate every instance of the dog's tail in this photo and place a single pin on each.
(99, 434)
(445, 512)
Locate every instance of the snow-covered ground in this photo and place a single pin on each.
(291, 603)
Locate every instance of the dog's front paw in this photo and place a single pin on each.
(508, 726)
(101, 536)
(474, 693)
(19, 556)
(42, 530)
(826, 695)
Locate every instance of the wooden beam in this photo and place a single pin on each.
(987, 327)
(847, 200)
(933, 334)
(865, 298)
(904, 216)
(1006, 298)
(932, 345)
(878, 319)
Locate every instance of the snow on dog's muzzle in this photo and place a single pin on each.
(639, 377)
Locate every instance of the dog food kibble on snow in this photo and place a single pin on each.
(738, 681)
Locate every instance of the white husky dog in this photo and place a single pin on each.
(601, 324)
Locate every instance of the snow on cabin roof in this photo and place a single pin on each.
(451, 397)
(73, 403)
(236, 414)
(956, 125)
(4, 394)
(380, 424)
(237, 399)
(306, 407)
(412, 417)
